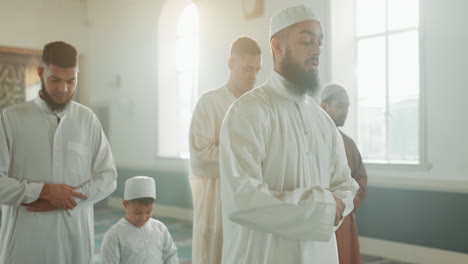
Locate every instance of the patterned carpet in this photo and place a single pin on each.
(182, 233)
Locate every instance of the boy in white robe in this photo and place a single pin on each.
(137, 238)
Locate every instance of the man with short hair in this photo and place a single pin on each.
(244, 63)
(335, 101)
(55, 163)
(285, 183)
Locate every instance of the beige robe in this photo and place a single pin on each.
(204, 140)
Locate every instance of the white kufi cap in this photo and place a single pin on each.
(139, 187)
(291, 16)
(330, 90)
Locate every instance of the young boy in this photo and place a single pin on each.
(138, 238)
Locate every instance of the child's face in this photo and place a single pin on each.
(137, 213)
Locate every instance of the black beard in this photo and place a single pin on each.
(50, 102)
(305, 82)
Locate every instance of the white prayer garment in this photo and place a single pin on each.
(204, 151)
(36, 149)
(281, 161)
(125, 243)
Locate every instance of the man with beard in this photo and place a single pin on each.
(335, 101)
(285, 182)
(55, 163)
(244, 63)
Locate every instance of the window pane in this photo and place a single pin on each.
(184, 110)
(371, 97)
(403, 96)
(403, 66)
(403, 14)
(370, 17)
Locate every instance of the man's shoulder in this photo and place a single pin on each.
(214, 93)
(254, 104)
(82, 112)
(346, 138)
(19, 108)
(81, 108)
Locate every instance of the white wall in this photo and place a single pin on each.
(32, 24)
(445, 42)
(123, 37)
(444, 62)
(123, 45)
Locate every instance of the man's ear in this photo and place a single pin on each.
(324, 106)
(40, 71)
(124, 203)
(277, 45)
(231, 63)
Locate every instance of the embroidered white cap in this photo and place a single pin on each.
(290, 16)
(139, 187)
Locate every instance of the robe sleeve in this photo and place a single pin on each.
(299, 214)
(104, 173)
(342, 184)
(360, 175)
(169, 250)
(204, 149)
(110, 249)
(12, 191)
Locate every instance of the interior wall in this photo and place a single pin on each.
(32, 24)
(123, 39)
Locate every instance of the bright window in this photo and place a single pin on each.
(178, 89)
(388, 80)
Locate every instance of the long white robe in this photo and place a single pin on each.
(281, 157)
(204, 156)
(125, 243)
(36, 149)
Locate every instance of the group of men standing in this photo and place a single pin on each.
(273, 177)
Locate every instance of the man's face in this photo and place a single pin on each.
(137, 214)
(58, 85)
(301, 55)
(337, 108)
(244, 71)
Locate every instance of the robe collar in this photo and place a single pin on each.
(284, 87)
(46, 108)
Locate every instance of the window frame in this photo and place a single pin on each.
(398, 165)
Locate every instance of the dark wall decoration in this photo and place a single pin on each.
(17, 72)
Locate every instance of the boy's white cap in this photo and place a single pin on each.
(139, 187)
(290, 16)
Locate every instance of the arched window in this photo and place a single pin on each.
(178, 76)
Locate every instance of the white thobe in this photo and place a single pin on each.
(36, 149)
(152, 243)
(281, 160)
(204, 156)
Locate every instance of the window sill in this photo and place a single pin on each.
(398, 167)
(412, 177)
(178, 165)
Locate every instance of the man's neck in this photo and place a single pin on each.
(235, 89)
